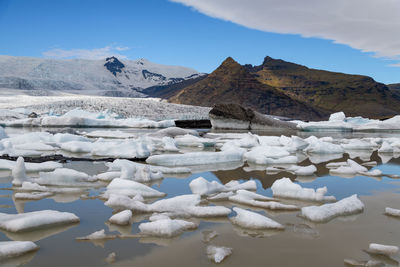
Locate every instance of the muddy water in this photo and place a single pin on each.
(301, 244)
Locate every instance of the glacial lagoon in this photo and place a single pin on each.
(301, 243)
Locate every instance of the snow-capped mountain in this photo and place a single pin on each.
(111, 76)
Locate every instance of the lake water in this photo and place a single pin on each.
(302, 243)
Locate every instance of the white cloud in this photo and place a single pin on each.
(96, 53)
(366, 25)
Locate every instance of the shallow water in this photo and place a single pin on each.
(302, 243)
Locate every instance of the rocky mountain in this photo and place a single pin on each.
(233, 83)
(282, 88)
(395, 88)
(356, 95)
(111, 76)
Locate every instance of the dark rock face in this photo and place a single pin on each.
(222, 113)
(233, 83)
(114, 65)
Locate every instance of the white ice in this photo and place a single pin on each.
(10, 249)
(166, 227)
(347, 206)
(392, 212)
(253, 220)
(287, 189)
(130, 188)
(121, 218)
(383, 249)
(36, 219)
(218, 254)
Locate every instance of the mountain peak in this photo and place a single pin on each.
(114, 65)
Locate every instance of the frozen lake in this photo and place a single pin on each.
(301, 243)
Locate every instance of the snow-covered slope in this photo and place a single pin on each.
(110, 76)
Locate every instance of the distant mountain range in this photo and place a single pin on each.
(275, 87)
(282, 88)
(110, 77)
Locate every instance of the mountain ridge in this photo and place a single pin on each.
(322, 91)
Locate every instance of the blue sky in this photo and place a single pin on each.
(171, 33)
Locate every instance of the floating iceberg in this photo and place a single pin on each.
(383, 249)
(201, 186)
(392, 212)
(196, 158)
(98, 235)
(121, 218)
(19, 172)
(166, 227)
(253, 220)
(287, 189)
(10, 249)
(218, 254)
(256, 200)
(347, 206)
(64, 177)
(36, 219)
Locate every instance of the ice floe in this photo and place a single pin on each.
(383, 249)
(166, 227)
(218, 254)
(10, 249)
(64, 177)
(253, 220)
(196, 158)
(121, 218)
(98, 235)
(36, 219)
(347, 206)
(392, 212)
(260, 201)
(285, 188)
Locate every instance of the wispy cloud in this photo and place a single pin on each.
(96, 53)
(366, 25)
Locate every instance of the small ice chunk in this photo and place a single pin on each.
(121, 218)
(108, 176)
(124, 202)
(98, 235)
(385, 148)
(63, 176)
(10, 249)
(218, 254)
(169, 144)
(196, 158)
(392, 212)
(383, 249)
(304, 170)
(19, 172)
(201, 186)
(236, 185)
(208, 211)
(338, 116)
(36, 219)
(356, 167)
(256, 200)
(287, 189)
(166, 227)
(347, 206)
(253, 220)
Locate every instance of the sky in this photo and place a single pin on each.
(350, 36)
